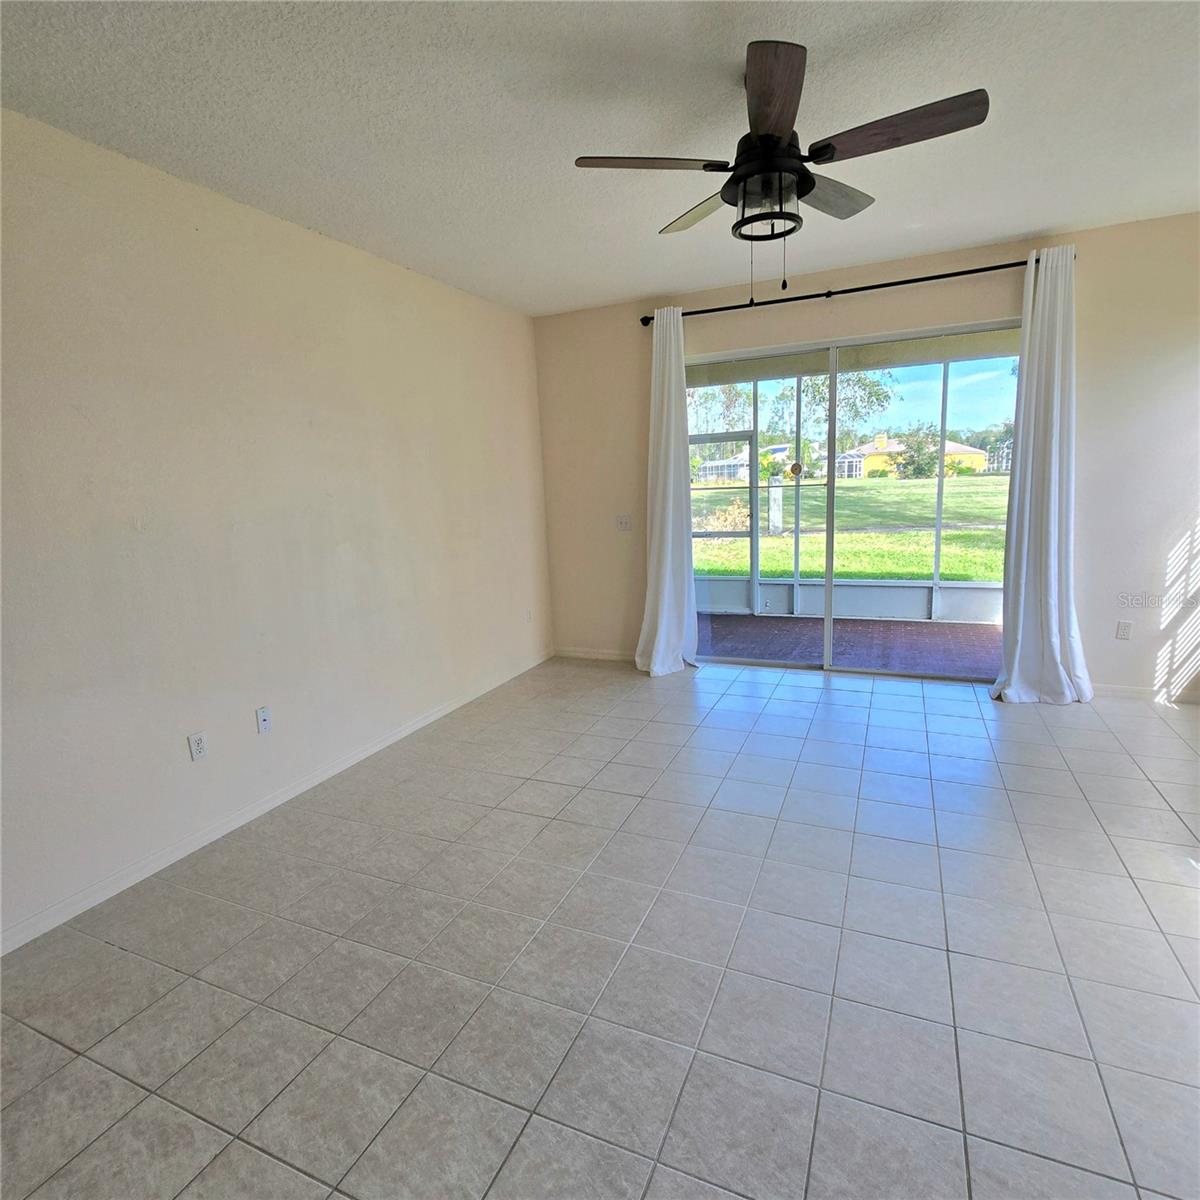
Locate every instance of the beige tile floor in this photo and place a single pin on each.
(734, 932)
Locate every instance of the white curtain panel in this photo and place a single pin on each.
(1043, 653)
(668, 639)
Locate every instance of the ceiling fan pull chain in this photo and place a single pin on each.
(751, 272)
(783, 282)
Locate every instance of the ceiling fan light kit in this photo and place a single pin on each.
(769, 177)
(768, 207)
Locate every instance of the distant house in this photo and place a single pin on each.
(738, 467)
(1000, 456)
(876, 455)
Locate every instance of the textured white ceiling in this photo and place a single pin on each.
(441, 136)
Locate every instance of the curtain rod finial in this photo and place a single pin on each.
(645, 320)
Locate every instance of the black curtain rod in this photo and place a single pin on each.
(850, 291)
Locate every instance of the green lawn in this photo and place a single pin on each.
(883, 530)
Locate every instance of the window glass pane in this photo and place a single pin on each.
(810, 499)
(776, 527)
(886, 552)
(724, 408)
(811, 455)
(776, 492)
(776, 423)
(720, 464)
(721, 556)
(720, 475)
(980, 404)
(814, 430)
(888, 433)
(721, 510)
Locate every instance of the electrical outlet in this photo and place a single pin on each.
(1124, 630)
(625, 523)
(263, 717)
(197, 745)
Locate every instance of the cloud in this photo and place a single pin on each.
(977, 377)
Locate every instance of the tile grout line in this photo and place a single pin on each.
(475, 901)
(265, 1002)
(107, 1129)
(962, 1095)
(388, 832)
(1091, 1048)
(583, 1024)
(695, 1050)
(491, 989)
(837, 964)
(1075, 997)
(429, 1070)
(1149, 908)
(519, 856)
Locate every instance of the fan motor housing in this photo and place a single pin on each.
(767, 156)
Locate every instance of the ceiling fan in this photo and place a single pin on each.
(769, 178)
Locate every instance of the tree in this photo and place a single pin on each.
(769, 465)
(861, 394)
(720, 408)
(996, 435)
(985, 439)
(918, 458)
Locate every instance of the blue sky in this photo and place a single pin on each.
(982, 392)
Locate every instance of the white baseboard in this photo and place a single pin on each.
(585, 652)
(63, 910)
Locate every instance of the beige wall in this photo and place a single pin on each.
(243, 465)
(1137, 318)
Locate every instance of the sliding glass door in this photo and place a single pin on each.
(924, 434)
(757, 430)
(868, 521)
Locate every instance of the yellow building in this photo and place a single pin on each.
(876, 455)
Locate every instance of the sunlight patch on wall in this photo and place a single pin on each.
(1177, 665)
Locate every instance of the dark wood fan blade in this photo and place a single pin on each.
(774, 81)
(695, 214)
(903, 129)
(655, 164)
(836, 199)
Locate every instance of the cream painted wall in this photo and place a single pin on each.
(1138, 320)
(243, 465)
